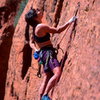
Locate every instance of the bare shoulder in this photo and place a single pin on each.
(42, 26)
(46, 28)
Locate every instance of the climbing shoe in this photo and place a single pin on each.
(45, 97)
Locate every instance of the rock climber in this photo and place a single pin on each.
(40, 41)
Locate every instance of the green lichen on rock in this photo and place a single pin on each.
(20, 11)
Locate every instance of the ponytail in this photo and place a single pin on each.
(27, 33)
(29, 18)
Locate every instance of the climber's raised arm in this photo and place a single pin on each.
(60, 28)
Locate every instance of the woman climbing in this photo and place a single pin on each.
(47, 54)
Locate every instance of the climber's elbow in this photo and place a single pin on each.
(59, 30)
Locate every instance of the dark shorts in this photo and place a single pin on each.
(48, 57)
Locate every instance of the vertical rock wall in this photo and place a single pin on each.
(8, 10)
(80, 78)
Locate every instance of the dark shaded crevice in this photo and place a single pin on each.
(93, 2)
(5, 11)
(12, 6)
(6, 15)
(13, 93)
(12, 88)
(63, 60)
(5, 48)
(27, 58)
(58, 12)
(2, 12)
(26, 89)
(2, 9)
(27, 52)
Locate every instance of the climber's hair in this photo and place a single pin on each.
(29, 18)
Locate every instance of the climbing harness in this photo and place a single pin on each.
(47, 52)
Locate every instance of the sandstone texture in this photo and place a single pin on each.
(8, 10)
(79, 49)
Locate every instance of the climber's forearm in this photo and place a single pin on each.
(63, 27)
(60, 28)
(33, 46)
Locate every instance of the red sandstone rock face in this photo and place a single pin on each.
(80, 78)
(7, 14)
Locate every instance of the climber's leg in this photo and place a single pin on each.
(53, 80)
(47, 77)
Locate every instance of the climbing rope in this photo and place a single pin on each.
(75, 13)
(73, 28)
